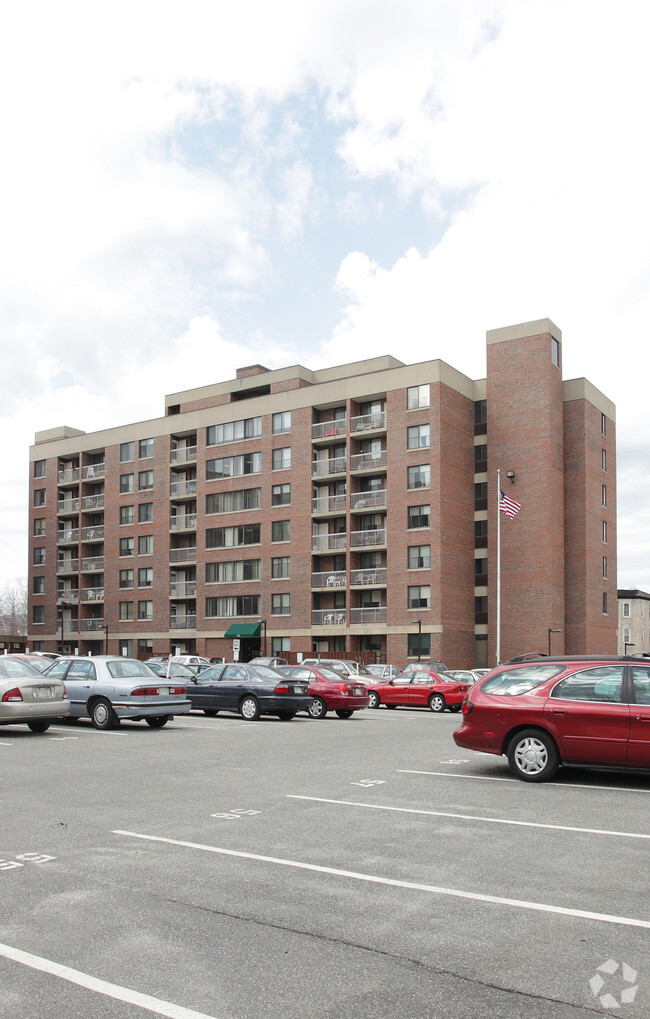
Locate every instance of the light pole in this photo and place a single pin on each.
(550, 631)
(106, 644)
(263, 625)
(626, 646)
(419, 622)
(61, 626)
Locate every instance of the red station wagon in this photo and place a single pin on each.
(543, 712)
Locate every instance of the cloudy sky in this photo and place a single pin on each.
(187, 188)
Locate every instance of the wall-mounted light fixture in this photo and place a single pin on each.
(511, 475)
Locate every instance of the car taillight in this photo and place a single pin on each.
(65, 692)
(178, 689)
(13, 695)
(343, 689)
(145, 691)
(282, 689)
(467, 707)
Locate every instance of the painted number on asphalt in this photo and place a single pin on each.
(366, 782)
(236, 814)
(24, 858)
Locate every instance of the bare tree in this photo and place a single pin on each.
(13, 607)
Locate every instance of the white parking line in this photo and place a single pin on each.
(85, 729)
(517, 781)
(75, 976)
(472, 817)
(498, 900)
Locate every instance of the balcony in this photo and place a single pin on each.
(92, 624)
(374, 461)
(368, 422)
(183, 522)
(69, 536)
(93, 502)
(70, 597)
(67, 566)
(325, 542)
(368, 615)
(92, 594)
(326, 468)
(183, 454)
(183, 622)
(368, 500)
(329, 429)
(329, 579)
(328, 617)
(362, 539)
(329, 504)
(92, 563)
(183, 589)
(95, 533)
(67, 476)
(178, 489)
(369, 578)
(67, 506)
(93, 471)
(183, 555)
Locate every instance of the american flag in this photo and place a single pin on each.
(509, 506)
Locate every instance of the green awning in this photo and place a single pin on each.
(243, 630)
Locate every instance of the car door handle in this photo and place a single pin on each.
(643, 718)
(559, 711)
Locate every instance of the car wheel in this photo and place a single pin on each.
(285, 716)
(373, 699)
(249, 709)
(39, 725)
(157, 721)
(102, 715)
(345, 712)
(210, 712)
(455, 707)
(533, 756)
(437, 702)
(317, 708)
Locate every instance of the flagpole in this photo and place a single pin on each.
(498, 642)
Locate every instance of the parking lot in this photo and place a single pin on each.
(335, 868)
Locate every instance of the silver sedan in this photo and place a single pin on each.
(28, 698)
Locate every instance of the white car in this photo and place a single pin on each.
(384, 671)
(29, 698)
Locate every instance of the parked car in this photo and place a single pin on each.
(384, 671)
(251, 690)
(37, 662)
(196, 660)
(544, 712)
(28, 698)
(416, 666)
(330, 690)
(345, 666)
(108, 688)
(423, 689)
(273, 662)
(467, 675)
(172, 669)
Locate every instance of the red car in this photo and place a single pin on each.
(331, 691)
(543, 712)
(422, 688)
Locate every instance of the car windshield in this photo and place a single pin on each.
(126, 669)
(332, 674)
(265, 672)
(513, 682)
(10, 667)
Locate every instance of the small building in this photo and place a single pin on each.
(633, 622)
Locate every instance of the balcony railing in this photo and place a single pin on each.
(70, 625)
(328, 504)
(368, 461)
(92, 624)
(323, 542)
(69, 536)
(93, 471)
(67, 566)
(328, 617)
(183, 622)
(329, 579)
(368, 421)
(183, 555)
(368, 500)
(65, 477)
(95, 533)
(323, 468)
(369, 578)
(369, 615)
(92, 594)
(182, 454)
(183, 589)
(329, 429)
(180, 488)
(93, 563)
(68, 506)
(359, 539)
(70, 597)
(183, 522)
(89, 502)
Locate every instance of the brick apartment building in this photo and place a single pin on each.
(349, 511)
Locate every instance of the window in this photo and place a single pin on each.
(418, 516)
(39, 526)
(145, 577)
(231, 431)
(601, 684)
(126, 610)
(127, 482)
(480, 534)
(233, 502)
(604, 495)
(280, 644)
(418, 436)
(126, 546)
(39, 468)
(281, 458)
(480, 458)
(39, 497)
(419, 645)
(555, 352)
(641, 681)
(126, 578)
(626, 610)
(480, 495)
(227, 573)
(419, 557)
(417, 396)
(145, 544)
(281, 530)
(419, 477)
(605, 566)
(280, 604)
(38, 556)
(241, 605)
(38, 615)
(605, 531)
(280, 566)
(231, 537)
(480, 571)
(281, 422)
(233, 466)
(281, 495)
(145, 512)
(604, 603)
(480, 417)
(145, 610)
(145, 647)
(145, 448)
(145, 480)
(126, 646)
(603, 425)
(419, 597)
(603, 459)
(126, 515)
(38, 585)
(627, 636)
(127, 451)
